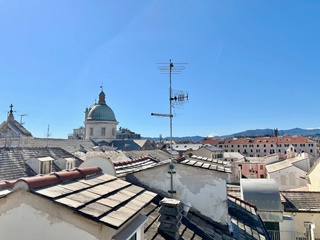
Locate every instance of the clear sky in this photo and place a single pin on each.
(251, 64)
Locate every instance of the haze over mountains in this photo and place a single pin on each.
(247, 133)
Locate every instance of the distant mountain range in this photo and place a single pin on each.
(270, 132)
(247, 133)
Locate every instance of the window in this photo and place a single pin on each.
(261, 167)
(271, 145)
(113, 132)
(257, 145)
(45, 167)
(261, 176)
(103, 131)
(283, 180)
(91, 131)
(292, 178)
(70, 164)
(264, 145)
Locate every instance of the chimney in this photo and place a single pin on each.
(170, 218)
(309, 230)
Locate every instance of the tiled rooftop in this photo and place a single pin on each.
(303, 201)
(194, 226)
(136, 165)
(277, 166)
(89, 192)
(213, 160)
(246, 222)
(155, 154)
(16, 127)
(13, 160)
(69, 145)
(207, 163)
(244, 219)
(111, 201)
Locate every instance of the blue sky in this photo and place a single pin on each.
(251, 64)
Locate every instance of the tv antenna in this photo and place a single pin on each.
(175, 98)
(22, 115)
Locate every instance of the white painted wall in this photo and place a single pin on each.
(103, 162)
(287, 228)
(110, 133)
(289, 178)
(204, 189)
(25, 222)
(301, 217)
(304, 163)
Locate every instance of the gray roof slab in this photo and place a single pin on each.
(95, 209)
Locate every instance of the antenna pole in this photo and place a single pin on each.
(170, 102)
(48, 134)
(176, 98)
(171, 156)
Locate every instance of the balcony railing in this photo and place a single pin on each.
(275, 235)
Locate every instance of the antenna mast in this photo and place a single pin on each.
(48, 135)
(174, 99)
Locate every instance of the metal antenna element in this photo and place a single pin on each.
(174, 99)
(48, 135)
(22, 115)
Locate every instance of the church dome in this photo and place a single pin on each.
(101, 111)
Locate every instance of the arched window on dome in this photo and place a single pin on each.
(91, 131)
(103, 131)
(113, 131)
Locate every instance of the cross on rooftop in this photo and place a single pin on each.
(11, 106)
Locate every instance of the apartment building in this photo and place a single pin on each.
(262, 146)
